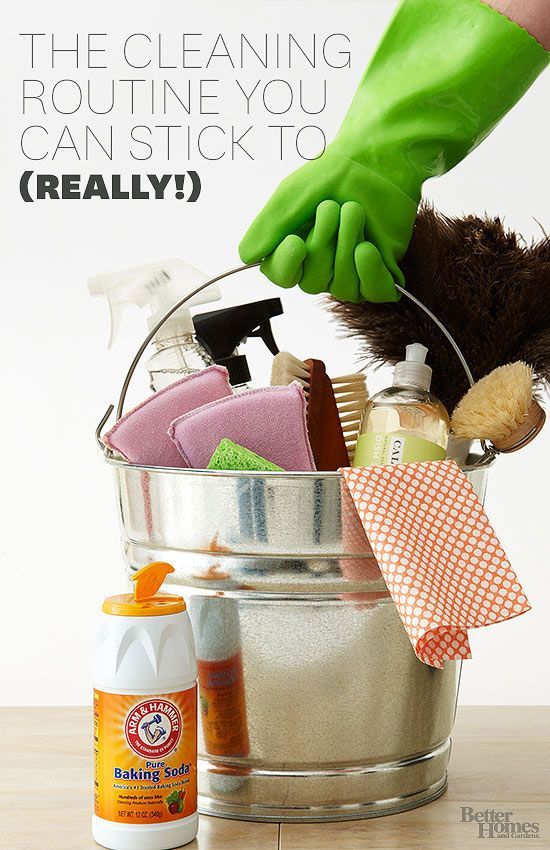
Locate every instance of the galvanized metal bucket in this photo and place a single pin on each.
(313, 704)
(341, 719)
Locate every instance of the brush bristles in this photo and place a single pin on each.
(350, 393)
(496, 405)
(286, 368)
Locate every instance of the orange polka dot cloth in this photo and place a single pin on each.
(440, 558)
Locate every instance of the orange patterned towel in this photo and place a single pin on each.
(441, 560)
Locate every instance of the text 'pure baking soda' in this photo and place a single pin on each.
(145, 719)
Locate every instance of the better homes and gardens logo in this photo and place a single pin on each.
(492, 823)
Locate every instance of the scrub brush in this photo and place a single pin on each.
(500, 408)
(332, 437)
(350, 392)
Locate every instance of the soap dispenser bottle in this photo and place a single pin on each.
(405, 422)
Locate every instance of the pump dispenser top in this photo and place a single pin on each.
(413, 371)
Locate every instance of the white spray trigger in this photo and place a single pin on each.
(155, 287)
(115, 321)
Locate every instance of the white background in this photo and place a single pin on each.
(60, 545)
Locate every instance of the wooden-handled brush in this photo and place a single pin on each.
(350, 392)
(500, 408)
(334, 408)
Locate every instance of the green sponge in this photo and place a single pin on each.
(229, 455)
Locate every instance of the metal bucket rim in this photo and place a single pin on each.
(481, 463)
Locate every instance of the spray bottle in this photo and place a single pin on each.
(157, 287)
(221, 332)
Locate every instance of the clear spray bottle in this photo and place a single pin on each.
(156, 287)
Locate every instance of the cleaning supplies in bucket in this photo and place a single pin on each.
(405, 422)
(444, 528)
(145, 719)
(157, 287)
(141, 436)
(270, 421)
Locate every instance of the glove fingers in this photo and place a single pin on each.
(376, 282)
(292, 204)
(320, 246)
(284, 265)
(345, 281)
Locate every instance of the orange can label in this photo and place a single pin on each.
(223, 707)
(145, 757)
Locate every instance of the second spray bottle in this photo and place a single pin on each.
(186, 344)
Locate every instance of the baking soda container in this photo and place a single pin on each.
(145, 719)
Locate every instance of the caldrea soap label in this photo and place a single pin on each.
(377, 449)
(145, 757)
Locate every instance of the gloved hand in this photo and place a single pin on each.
(443, 75)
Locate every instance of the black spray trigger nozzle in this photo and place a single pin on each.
(221, 332)
(265, 332)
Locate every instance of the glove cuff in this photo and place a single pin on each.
(444, 74)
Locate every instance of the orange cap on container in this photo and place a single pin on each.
(145, 601)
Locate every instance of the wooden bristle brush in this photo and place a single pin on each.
(500, 408)
(350, 392)
(334, 408)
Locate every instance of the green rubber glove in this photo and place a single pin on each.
(443, 75)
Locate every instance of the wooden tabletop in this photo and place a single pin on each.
(500, 761)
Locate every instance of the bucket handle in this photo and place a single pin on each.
(489, 451)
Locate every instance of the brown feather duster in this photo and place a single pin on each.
(488, 288)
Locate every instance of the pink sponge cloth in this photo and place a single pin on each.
(270, 421)
(141, 435)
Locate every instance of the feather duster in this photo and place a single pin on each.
(490, 289)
